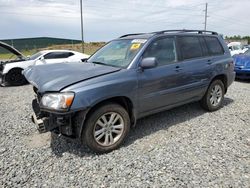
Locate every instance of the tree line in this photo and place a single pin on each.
(238, 37)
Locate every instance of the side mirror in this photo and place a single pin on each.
(148, 63)
(84, 59)
(41, 58)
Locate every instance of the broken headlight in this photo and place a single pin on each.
(57, 101)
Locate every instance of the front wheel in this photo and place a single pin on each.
(15, 77)
(106, 128)
(214, 96)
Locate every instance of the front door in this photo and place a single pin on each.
(157, 87)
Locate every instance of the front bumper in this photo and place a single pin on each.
(58, 123)
(2, 79)
(242, 73)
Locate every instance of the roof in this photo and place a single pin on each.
(75, 52)
(46, 51)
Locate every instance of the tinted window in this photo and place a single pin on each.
(190, 47)
(203, 46)
(214, 46)
(58, 55)
(163, 50)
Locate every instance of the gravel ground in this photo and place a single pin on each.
(183, 147)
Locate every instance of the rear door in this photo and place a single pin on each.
(195, 64)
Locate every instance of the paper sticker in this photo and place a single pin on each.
(139, 41)
(135, 46)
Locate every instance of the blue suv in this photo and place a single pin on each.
(130, 77)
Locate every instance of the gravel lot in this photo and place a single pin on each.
(183, 147)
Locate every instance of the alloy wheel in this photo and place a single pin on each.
(215, 95)
(108, 129)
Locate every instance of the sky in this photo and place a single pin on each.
(105, 20)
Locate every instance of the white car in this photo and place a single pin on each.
(236, 48)
(11, 71)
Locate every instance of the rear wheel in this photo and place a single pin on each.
(106, 128)
(15, 77)
(214, 96)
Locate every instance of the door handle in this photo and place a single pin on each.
(178, 68)
(209, 62)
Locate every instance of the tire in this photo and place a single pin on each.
(214, 96)
(14, 77)
(98, 135)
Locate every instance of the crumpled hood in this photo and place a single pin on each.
(242, 61)
(55, 77)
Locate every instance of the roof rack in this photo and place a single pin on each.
(169, 31)
(187, 31)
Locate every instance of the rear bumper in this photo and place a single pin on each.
(242, 73)
(231, 78)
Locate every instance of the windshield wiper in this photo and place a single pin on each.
(99, 63)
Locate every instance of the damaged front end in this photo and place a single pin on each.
(14, 52)
(55, 121)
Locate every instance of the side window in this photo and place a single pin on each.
(58, 55)
(163, 50)
(49, 55)
(67, 54)
(203, 46)
(214, 46)
(190, 47)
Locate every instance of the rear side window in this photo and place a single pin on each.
(163, 50)
(214, 46)
(204, 46)
(190, 47)
(58, 55)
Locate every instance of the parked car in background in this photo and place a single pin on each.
(247, 46)
(11, 71)
(242, 65)
(130, 77)
(236, 48)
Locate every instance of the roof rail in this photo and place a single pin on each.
(188, 31)
(169, 31)
(132, 34)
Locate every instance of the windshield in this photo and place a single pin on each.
(237, 47)
(118, 53)
(247, 52)
(35, 56)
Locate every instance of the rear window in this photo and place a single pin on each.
(214, 46)
(190, 47)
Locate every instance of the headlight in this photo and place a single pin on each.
(57, 101)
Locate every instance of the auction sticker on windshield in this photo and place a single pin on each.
(135, 46)
(139, 41)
